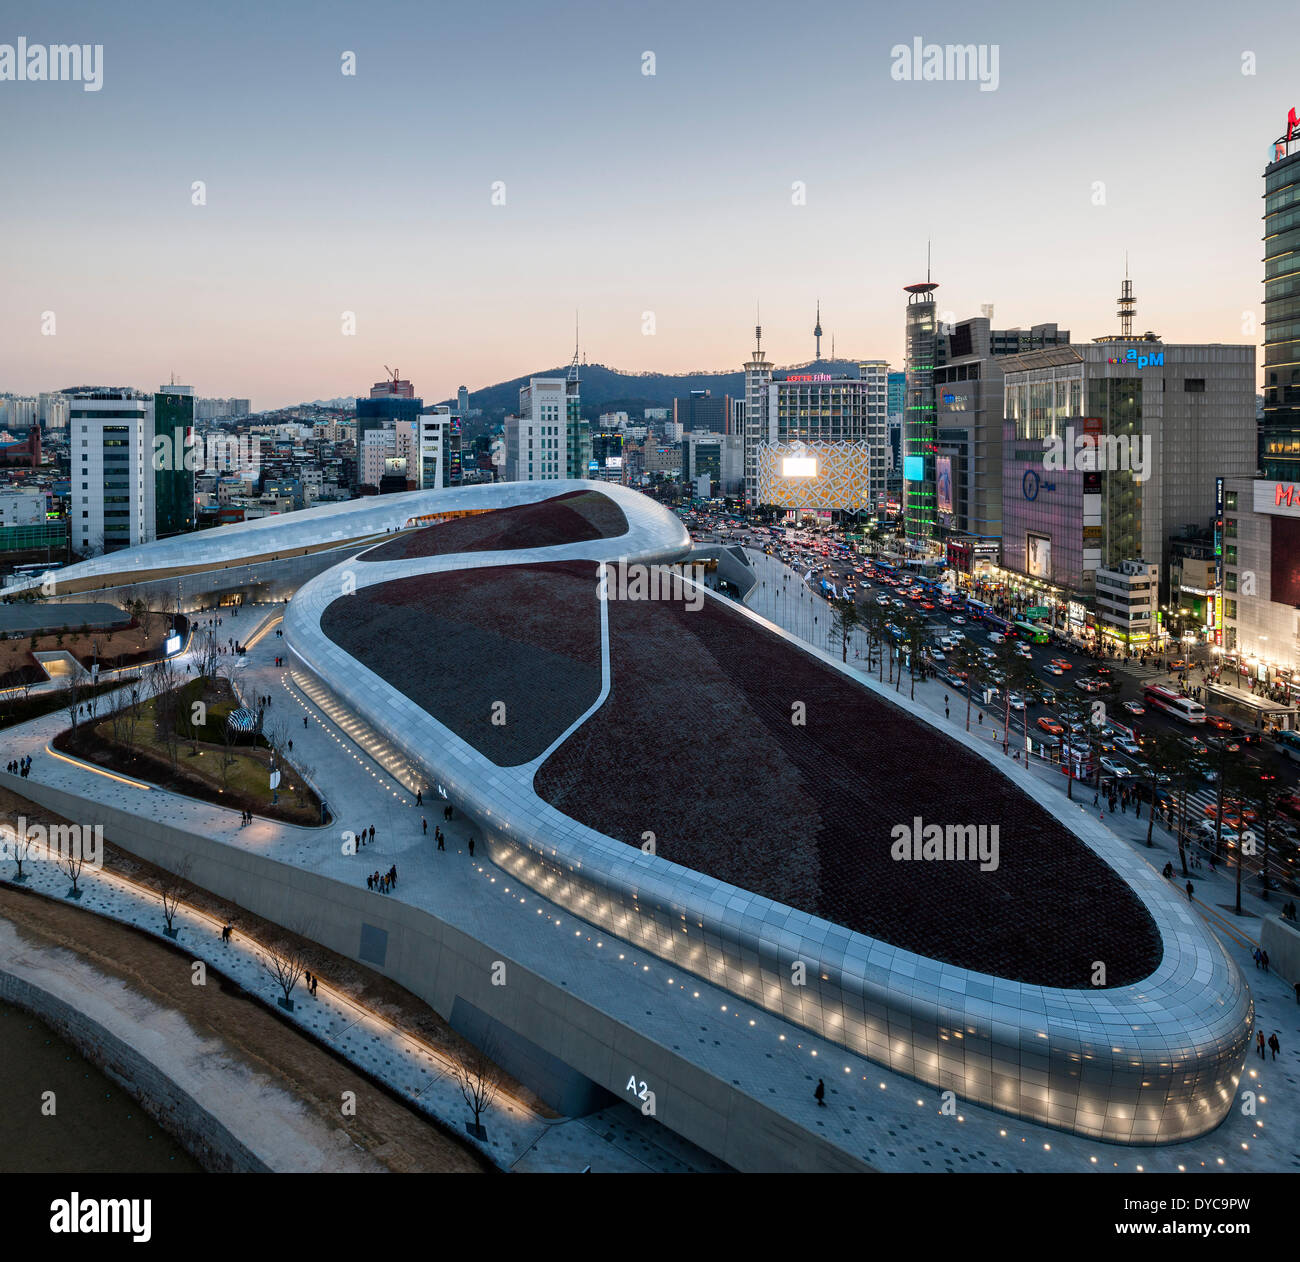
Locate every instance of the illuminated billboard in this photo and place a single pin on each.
(943, 484)
(914, 468)
(1038, 556)
(824, 476)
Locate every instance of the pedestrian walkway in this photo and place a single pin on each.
(876, 1117)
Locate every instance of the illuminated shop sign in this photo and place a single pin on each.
(1132, 358)
(816, 376)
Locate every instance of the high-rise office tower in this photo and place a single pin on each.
(758, 375)
(548, 439)
(920, 338)
(1279, 432)
(173, 463)
(112, 477)
(462, 402)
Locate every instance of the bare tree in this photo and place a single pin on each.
(479, 1078)
(72, 861)
(20, 847)
(286, 962)
(174, 886)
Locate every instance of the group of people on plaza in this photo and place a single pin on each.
(382, 882)
(19, 766)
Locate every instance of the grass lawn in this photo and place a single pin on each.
(205, 768)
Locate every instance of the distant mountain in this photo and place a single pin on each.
(608, 390)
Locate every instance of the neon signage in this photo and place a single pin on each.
(1141, 361)
(816, 376)
(1287, 494)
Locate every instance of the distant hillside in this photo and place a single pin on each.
(608, 390)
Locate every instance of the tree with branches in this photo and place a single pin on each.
(286, 961)
(845, 620)
(479, 1078)
(175, 885)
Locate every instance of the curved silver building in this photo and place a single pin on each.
(1119, 1017)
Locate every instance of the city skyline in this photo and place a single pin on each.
(325, 193)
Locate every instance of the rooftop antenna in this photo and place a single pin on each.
(758, 331)
(817, 329)
(1127, 303)
(573, 367)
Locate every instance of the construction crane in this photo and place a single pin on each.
(393, 373)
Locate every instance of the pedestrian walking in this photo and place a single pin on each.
(419, 797)
(1256, 957)
(440, 845)
(471, 847)
(1273, 1045)
(372, 832)
(1189, 891)
(1259, 1044)
(304, 720)
(1263, 959)
(820, 1094)
(424, 825)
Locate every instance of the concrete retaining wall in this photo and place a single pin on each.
(207, 1139)
(1281, 939)
(440, 963)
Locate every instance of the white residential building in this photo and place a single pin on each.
(112, 476)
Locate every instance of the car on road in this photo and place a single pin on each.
(1210, 830)
(1128, 746)
(1088, 685)
(1023, 650)
(1016, 701)
(1178, 664)
(996, 637)
(1101, 670)
(958, 621)
(1051, 726)
(1116, 769)
(1062, 663)
(1218, 722)
(1135, 707)
(1223, 742)
(1053, 669)
(937, 655)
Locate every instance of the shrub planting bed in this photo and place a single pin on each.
(574, 517)
(457, 643)
(711, 760)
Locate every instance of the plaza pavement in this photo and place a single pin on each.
(881, 1119)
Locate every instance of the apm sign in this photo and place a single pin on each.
(1133, 359)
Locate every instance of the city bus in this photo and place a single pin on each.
(998, 624)
(1171, 702)
(1032, 632)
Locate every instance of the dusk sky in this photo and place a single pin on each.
(624, 193)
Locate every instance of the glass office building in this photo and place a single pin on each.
(1279, 432)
